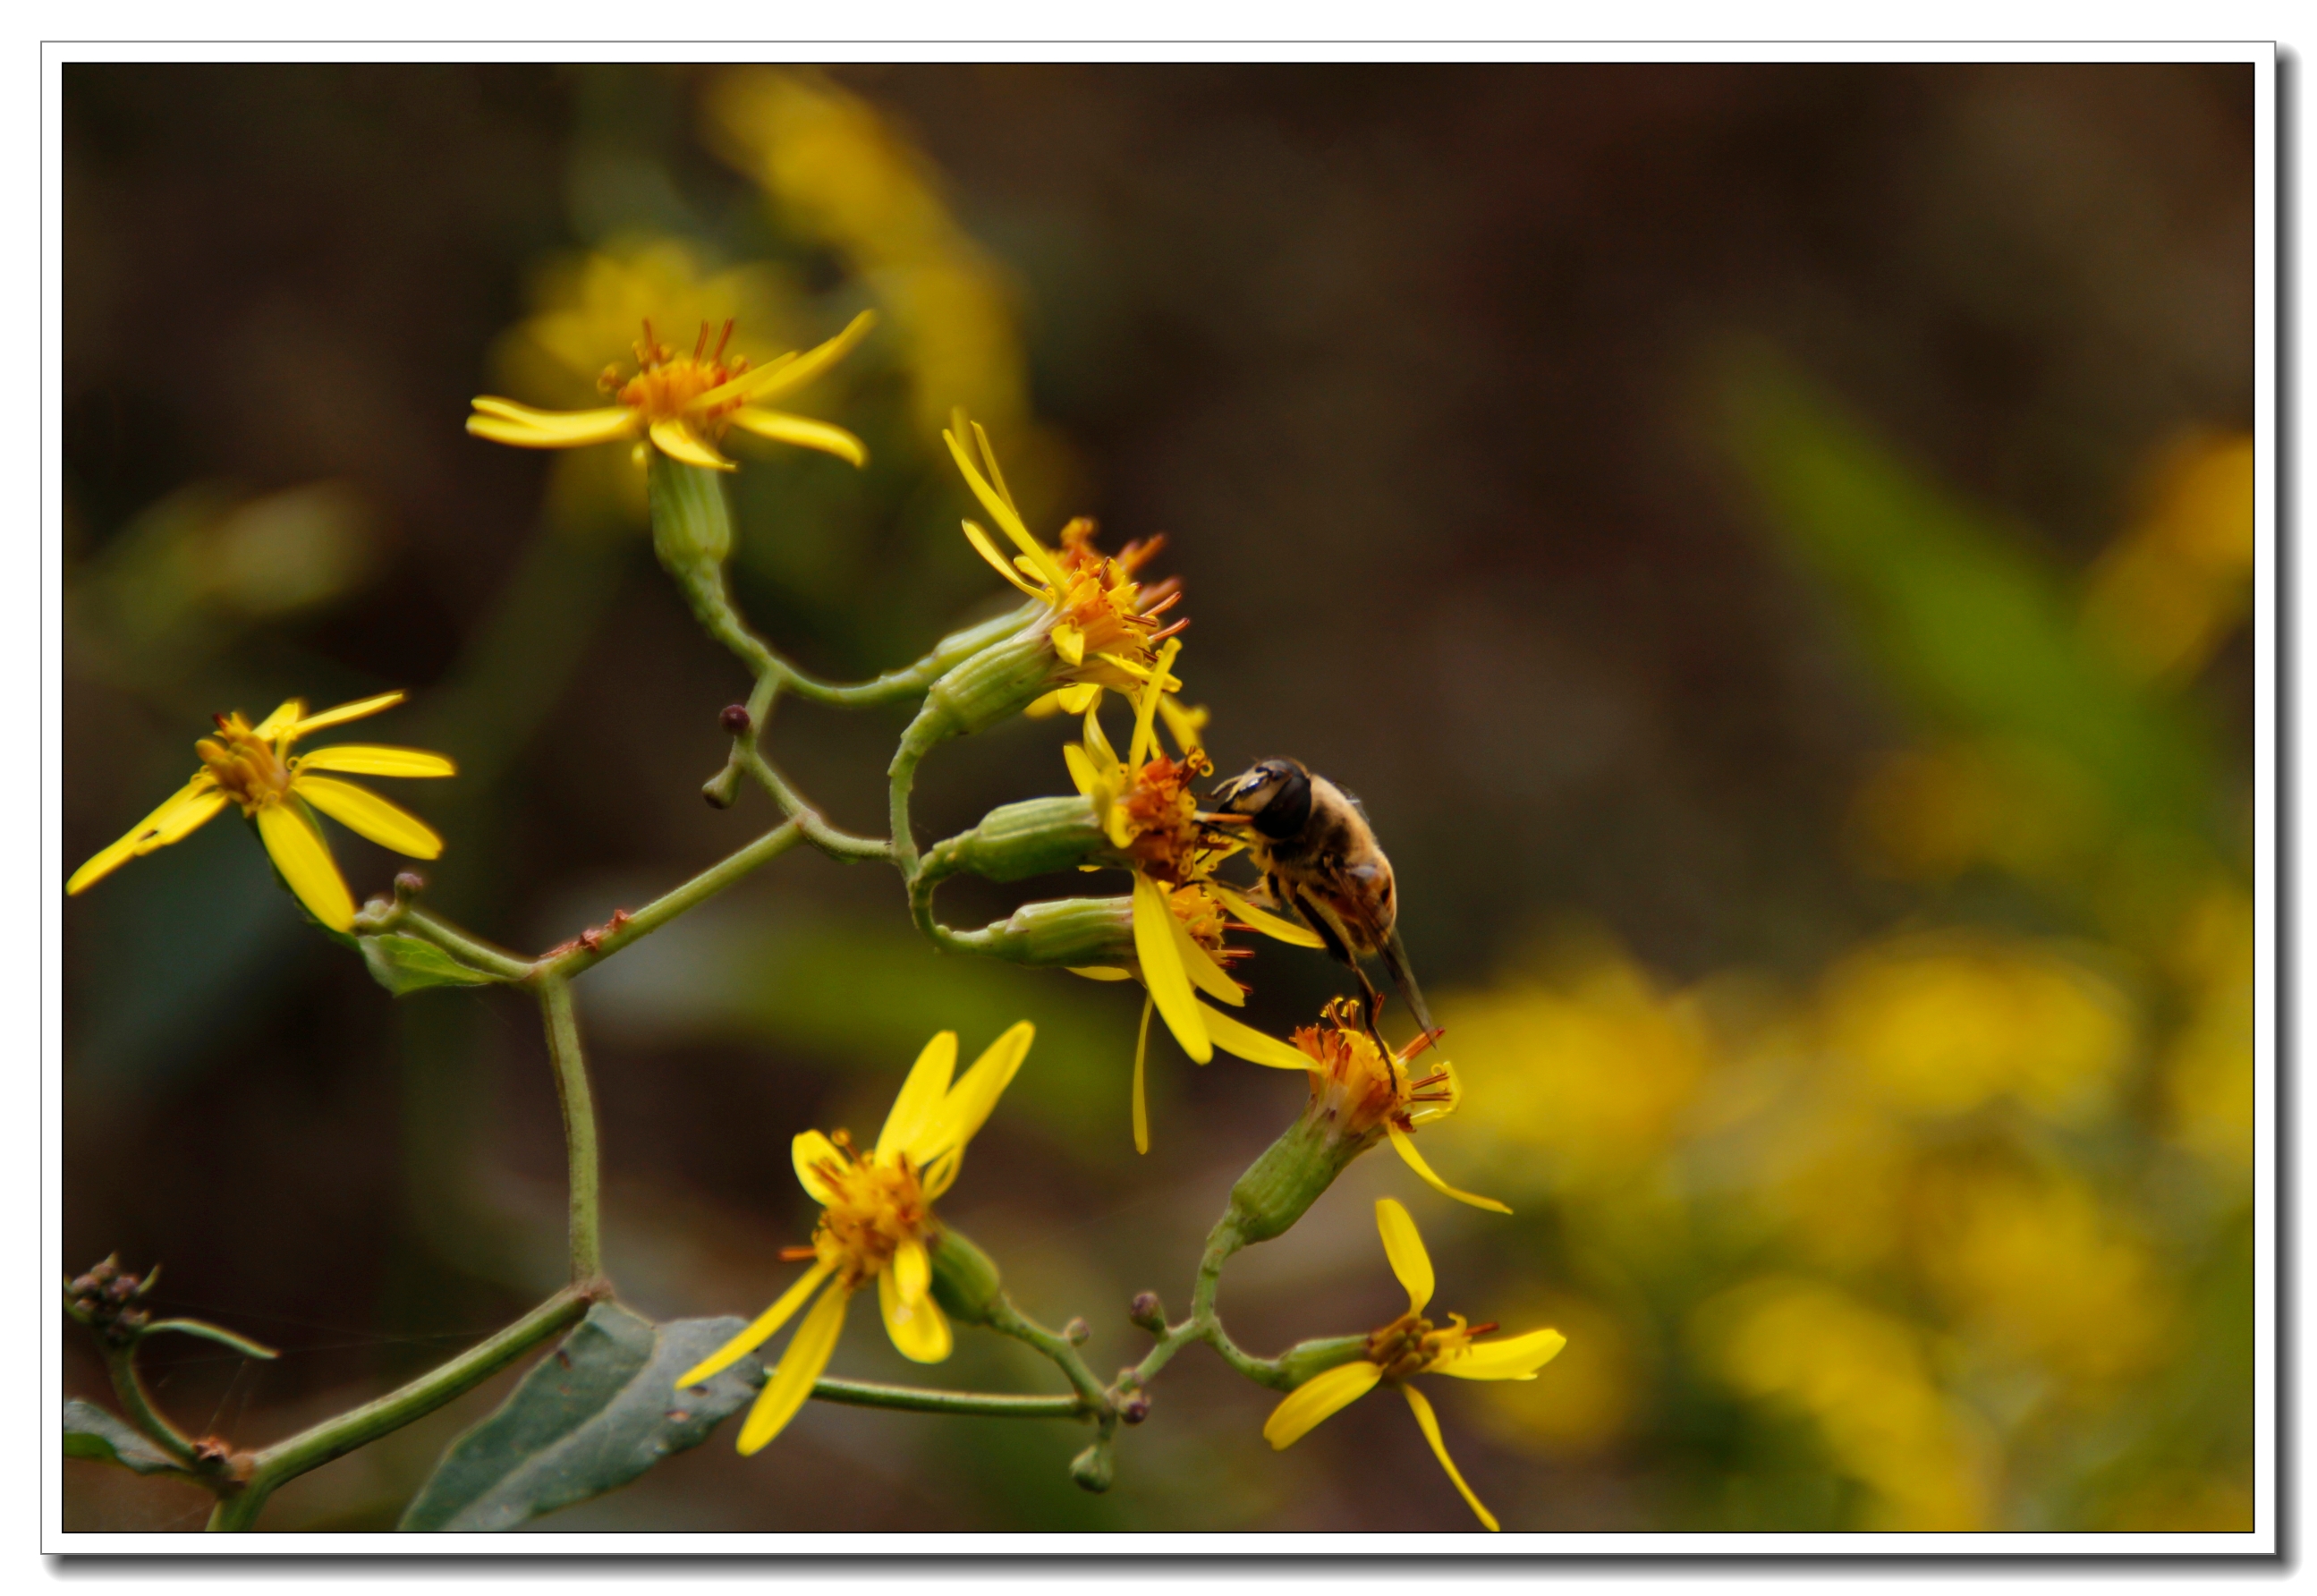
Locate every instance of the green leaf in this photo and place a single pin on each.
(592, 1415)
(405, 965)
(92, 1432)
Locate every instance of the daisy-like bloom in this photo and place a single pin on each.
(253, 766)
(876, 1223)
(1146, 808)
(1410, 1345)
(1104, 624)
(685, 403)
(1358, 1089)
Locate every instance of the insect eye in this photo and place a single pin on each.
(1290, 806)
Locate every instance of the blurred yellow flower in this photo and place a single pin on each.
(685, 403)
(252, 766)
(1410, 1346)
(1940, 1022)
(876, 1223)
(1863, 1378)
(2168, 593)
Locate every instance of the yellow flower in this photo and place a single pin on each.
(1146, 808)
(252, 766)
(685, 403)
(876, 1223)
(1104, 625)
(1410, 1346)
(1357, 1090)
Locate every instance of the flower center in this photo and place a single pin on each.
(248, 768)
(668, 386)
(1169, 843)
(879, 1205)
(1411, 1344)
(1363, 1086)
(1100, 597)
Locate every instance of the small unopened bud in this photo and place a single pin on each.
(1037, 837)
(408, 885)
(1146, 1311)
(735, 720)
(1077, 1333)
(1092, 1468)
(1134, 1409)
(966, 1282)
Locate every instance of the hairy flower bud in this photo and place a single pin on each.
(1015, 840)
(965, 1278)
(999, 682)
(1293, 1172)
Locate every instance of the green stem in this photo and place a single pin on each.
(578, 1132)
(573, 957)
(334, 1438)
(1008, 1319)
(458, 944)
(911, 678)
(138, 1404)
(917, 1400)
(836, 844)
(901, 776)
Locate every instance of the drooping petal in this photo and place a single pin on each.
(364, 812)
(1146, 738)
(337, 715)
(954, 1121)
(1009, 521)
(1405, 1145)
(1245, 1042)
(1200, 965)
(679, 442)
(502, 421)
(1515, 1358)
(760, 1330)
(999, 562)
(1077, 697)
(304, 860)
(286, 713)
(1263, 920)
(1422, 1408)
(784, 428)
(790, 1383)
(1142, 1049)
(1405, 1251)
(189, 806)
(1097, 740)
(792, 371)
(919, 1330)
(807, 1153)
(1325, 1393)
(1184, 725)
(362, 758)
(1162, 969)
(920, 1094)
(1082, 771)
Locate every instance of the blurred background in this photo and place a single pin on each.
(1770, 545)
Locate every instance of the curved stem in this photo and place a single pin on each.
(579, 1132)
(901, 776)
(1005, 1319)
(466, 949)
(917, 1399)
(836, 844)
(138, 1404)
(586, 951)
(285, 1460)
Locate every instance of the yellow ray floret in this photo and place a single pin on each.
(279, 791)
(876, 1223)
(1410, 1346)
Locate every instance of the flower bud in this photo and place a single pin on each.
(1036, 838)
(691, 534)
(1146, 1311)
(987, 687)
(1092, 1468)
(966, 1280)
(1292, 1173)
(735, 720)
(1077, 1333)
(1134, 1409)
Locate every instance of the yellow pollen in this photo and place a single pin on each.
(249, 769)
(668, 386)
(879, 1205)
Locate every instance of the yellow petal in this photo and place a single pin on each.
(1405, 1249)
(1009, 521)
(1183, 724)
(1431, 1425)
(791, 371)
(287, 714)
(807, 1153)
(1099, 972)
(1162, 969)
(1323, 1393)
(919, 1330)
(1426, 1113)
(998, 563)
(189, 806)
(1405, 1145)
(361, 759)
(960, 1114)
(1070, 644)
(1146, 739)
(1097, 741)
(1245, 1042)
(784, 428)
(364, 812)
(1082, 771)
(502, 421)
(1200, 967)
(360, 709)
(679, 441)
(304, 860)
(1142, 1048)
(807, 1354)
(920, 1094)
(1270, 925)
(1078, 697)
(1515, 1358)
(760, 1329)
